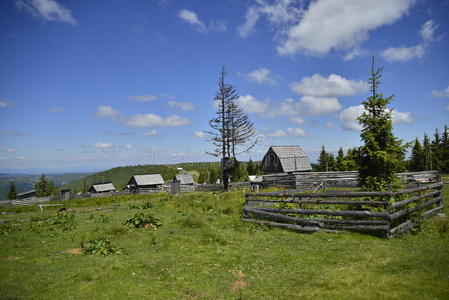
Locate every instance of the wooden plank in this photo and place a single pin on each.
(359, 227)
(414, 199)
(406, 211)
(344, 213)
(433, 211)
(346, 202)
(279, 217)
(437, 185)
(297, 228)
(319, 195)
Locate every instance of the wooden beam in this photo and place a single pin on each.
(297, 228)
(344, 213)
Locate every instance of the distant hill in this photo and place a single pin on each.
(25, 182)
(119, 176)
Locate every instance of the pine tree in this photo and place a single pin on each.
(417, 158)
(322, 160)
(445, 150)
(340, 160)
(44, 187)
(436, 150)
(382, 154)
(427, 153)
(12, 194)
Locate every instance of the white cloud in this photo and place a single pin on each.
(151, 133)
(143, 98)
(104, 147)
(262, 75)
(288, 107)
(297, 120)
(295, 132)
(107, 112)
(191, 18)
(21, 157)
(54, 109)
(332, 86)
(128, 146)
(339, 24)
(441, 94)
(251, 105)
(180, 105)
(153, 120)
(2, 157)
(199, 134)
(348, 117)
(9, 150)
(355, 52)
(4, 103)
(320, 105)
(140, 120)
(279, 14)
(48, 10)
(403, 53)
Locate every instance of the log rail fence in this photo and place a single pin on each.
(388, 213)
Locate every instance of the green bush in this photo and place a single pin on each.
(100, 246)
(143, 220)
(146, 205)
(100, 218)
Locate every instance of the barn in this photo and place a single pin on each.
(185, 179)
(101, 188)
(148, 181)
(285, 159)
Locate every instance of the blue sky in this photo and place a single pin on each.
(88, 85)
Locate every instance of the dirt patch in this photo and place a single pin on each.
(73, 251)
(240, 284)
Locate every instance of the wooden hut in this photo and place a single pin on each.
(101, 188)
(285, 159)
(185, 179)
(148, 181)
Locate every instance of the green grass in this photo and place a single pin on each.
(203, 251)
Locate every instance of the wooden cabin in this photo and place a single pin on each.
(185, 179)
(102, 188)
(148, 181)
(285, 159)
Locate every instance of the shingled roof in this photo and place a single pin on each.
(149, 179)
(102, 187)
(292, 158)
(185, 178)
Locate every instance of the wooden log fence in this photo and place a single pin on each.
(388, 212)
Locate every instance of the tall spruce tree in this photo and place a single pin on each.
(417, 157)
(427, 153)
(382, 154)
(340, 160)
(12, 194)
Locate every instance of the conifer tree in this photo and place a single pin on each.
(340, 160)
(381, 155)
(12, 194)
(417, 158)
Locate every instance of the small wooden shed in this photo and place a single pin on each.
(285, 159)
(102, 188)
(185, 179)
(148, 181)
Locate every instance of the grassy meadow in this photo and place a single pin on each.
(204, 251)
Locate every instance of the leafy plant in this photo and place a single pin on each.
(145, 205)
(143, 220)
(100, 218)
(100, 246)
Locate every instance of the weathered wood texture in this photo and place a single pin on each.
(388, 212)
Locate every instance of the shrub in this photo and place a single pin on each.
(143, 220)
(146, 205)
(100, 218)
(100, 246)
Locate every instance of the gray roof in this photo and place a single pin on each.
(149, 179)
(292, 158)
(103, 187)
(185, 178)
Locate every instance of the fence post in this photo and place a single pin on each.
(388, 207)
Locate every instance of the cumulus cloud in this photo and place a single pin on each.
(403, 53)
(287, 107)
(199, 134)
(262, 75)
(348, 117)
(128, 146)
(251, 105)
(151, 133)
(332, 86)
(441, 94)
(54, 109)
(279, 14)
(143, 98)
(340, 24)
(47, 10)
(180, 105)
(294, 132)
(297, 120)
(104, 147)
(356, 52)
(191, 18)
(320, 105)
(140, 120)
(4, 103)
